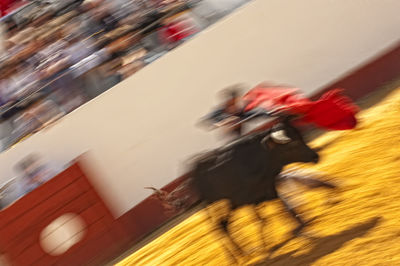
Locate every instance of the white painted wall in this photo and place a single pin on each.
(140, 132)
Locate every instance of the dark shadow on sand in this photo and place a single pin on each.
(323, 246)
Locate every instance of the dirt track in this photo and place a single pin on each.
(361, 228)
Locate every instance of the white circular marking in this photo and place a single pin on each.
(63, 233)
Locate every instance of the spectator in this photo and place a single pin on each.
(7, 87)
(33, 172)
(10, 192)
(78, 46)
(103, 19)
(25, 80)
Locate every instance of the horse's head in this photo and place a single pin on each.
(288, 144)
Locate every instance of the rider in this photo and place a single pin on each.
(231, 113)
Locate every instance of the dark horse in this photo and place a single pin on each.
(247, 171)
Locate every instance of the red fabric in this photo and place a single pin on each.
(271, 98)
(6, 6)
(177, 30)
(332, 111)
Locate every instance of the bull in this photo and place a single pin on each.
(248, 170)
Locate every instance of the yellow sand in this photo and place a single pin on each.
(362, 228)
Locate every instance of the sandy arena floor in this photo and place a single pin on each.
(361, 228)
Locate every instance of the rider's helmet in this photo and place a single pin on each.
(231, 96)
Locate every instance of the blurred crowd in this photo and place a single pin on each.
(56, 55)
(55, 60)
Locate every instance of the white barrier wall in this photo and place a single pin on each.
(140, 132)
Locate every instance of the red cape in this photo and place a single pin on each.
(333, 111)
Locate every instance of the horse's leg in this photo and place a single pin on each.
(299, 220)
(262, 223)
(308, 180)
(222, 226)
(294, 214)
(312, 182)
(224, 223)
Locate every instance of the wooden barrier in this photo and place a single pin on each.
(21, 223)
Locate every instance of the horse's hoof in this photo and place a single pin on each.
(312, 235)
(273, 249)
(333, 201)
(310, 221)
(297, 232)
(259, 250)
(242, 253)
